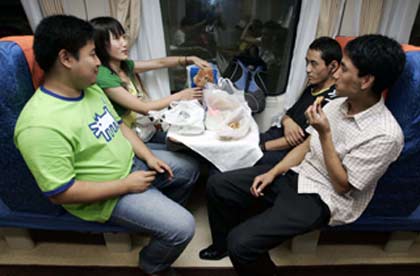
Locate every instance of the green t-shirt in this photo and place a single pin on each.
(67, 139)
(108, 79)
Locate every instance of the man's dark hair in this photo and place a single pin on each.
(58, 32)
(104, 26)
(330, 49)
(379, 56)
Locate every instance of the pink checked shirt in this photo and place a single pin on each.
(367, 143)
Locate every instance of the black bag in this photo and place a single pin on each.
(248, 74)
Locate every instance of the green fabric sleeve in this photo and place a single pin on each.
(49, 157)
(107, 79)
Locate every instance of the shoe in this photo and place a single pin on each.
(212, 253)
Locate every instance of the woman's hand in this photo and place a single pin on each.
(198, 61)
(188, 94)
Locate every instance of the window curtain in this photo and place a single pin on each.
(398, 19)
(330, 17)
(33, 12)
(359, 16)
(51, 7)
(128, 13)
(151, 44)
(85, 9)
(370, 16)
(306, 31)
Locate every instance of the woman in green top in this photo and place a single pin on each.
(118, 77)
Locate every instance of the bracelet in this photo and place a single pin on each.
(262, 147)
(179, 61)
(185, 60)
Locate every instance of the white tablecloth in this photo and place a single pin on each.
(226, 155)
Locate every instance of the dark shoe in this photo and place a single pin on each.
(212, 253)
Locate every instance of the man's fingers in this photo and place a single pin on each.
(149, 179)
(255, 186)
(149, 173)
(289, 140)
(261, 188)
(167, 168)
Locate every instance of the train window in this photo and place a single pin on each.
(218, 31)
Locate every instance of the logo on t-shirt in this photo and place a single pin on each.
(104, 125)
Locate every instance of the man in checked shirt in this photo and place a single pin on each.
(327, 180)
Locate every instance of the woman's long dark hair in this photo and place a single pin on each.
(104, 26)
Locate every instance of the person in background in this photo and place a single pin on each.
(322, 61)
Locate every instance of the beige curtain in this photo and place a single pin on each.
(51, 7)
(370, 16)
(331, 12)
(128, 13)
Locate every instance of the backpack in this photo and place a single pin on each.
(249, 75)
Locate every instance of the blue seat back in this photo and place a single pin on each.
(18, 189)
(398, 191)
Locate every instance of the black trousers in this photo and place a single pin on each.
(280, 214)
(272, 157)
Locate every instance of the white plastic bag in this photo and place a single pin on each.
(184, 117)
(144, 127)
(227, 111)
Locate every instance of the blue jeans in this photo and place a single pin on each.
(158, 211)
(158, 141)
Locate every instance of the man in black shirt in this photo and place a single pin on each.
(322, 60)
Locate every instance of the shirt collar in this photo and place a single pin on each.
(363, 118)
(331, 88)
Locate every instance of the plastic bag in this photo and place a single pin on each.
(144, 127)
(184, 117)
(227, 111)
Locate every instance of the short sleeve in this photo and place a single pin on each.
(130, 65)
(367, 163)
(107, 79)
(49, 157)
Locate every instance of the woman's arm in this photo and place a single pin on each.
(121, 96)
(166, 62)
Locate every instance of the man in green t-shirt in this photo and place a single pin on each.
(84, 158)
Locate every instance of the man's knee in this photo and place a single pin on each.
(215, 185)
(182, 231)
(238, 245)
(186, 168)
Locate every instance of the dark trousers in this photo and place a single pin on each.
(272, 157)
(281, 214)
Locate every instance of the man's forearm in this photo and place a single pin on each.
(88, 192)
(139, 148)
(277, 144)
(293, 158)
(334, 166)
